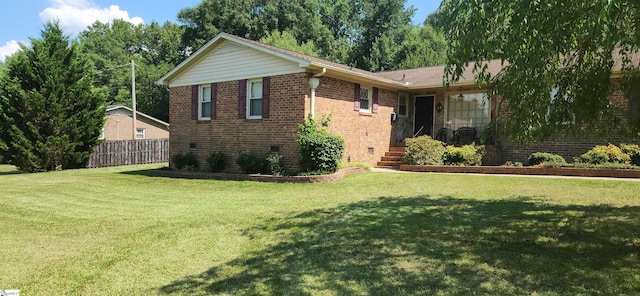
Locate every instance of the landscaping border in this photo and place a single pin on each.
(533, 170)
(258, 177)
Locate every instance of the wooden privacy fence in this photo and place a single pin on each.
(114, 153)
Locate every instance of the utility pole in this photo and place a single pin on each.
(133, 97)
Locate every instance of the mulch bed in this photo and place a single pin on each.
(257, 177)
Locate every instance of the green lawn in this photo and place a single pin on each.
(115, 231)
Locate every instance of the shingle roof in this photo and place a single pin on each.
(428, 77)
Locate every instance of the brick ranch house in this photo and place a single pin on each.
(236, 95)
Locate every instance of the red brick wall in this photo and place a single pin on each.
(567, 147)
(290, 103)
(361, 131)
(233, 136)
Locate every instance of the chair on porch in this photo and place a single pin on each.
(443, 134)
(465, 135)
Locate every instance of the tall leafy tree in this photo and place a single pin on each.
(50, 114)
(423, 47)
(155, 50)
(567, 48)
(368, 34)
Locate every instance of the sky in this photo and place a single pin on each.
(21, 19)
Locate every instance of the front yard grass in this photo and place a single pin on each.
(116, 231)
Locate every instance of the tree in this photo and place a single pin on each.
(50, 114)
(366, 34)
(423, 47)
(155, 49)
(286, 40)
(568, 47)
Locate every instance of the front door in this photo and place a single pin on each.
(424, 116)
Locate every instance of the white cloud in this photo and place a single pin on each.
(9, 48)
(77, 15)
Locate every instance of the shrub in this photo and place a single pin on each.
(633, 150)
(275, 166)
(593, 157)
(185, 161)
(465, 155)
(252, 164)
(320, 151)
(601, 154)
(217, 162)
(423, 150)
(542, 157)
(512, 163)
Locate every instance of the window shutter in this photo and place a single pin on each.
(242, 99)
(194, 102)
(266, 96)
(214, 99)
(356, 97)
(374, 109)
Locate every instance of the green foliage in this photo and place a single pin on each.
(252, 164)
(612, 154)
(371, 34)
(288, 41)
(155, 50)
(468, 155)
(320, 151)
(217, 162)
(633, 150)
(423, 150)
(275, 164)
(423, 47)
(50, 114)
(537, 158)
(571, 46)
(513, 163)
(593, 157)
(186, 161)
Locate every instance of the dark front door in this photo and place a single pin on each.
(424, 116)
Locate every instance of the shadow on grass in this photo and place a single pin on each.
(425, 245)
(6, 169)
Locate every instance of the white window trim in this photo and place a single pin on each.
(248, 111)
(370, 99)
(143, 132)
(406, 104)
(201, 89)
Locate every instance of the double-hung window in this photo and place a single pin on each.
(204, 105)
(254, 98)
(365, 99)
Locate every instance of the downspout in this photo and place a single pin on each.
(313, 84)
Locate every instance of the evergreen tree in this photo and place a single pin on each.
(51, 116)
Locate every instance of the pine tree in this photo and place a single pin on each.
(51, 116)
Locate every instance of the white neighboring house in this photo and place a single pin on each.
(118, 125)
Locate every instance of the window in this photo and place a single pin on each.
(101, 137)
(204, 106)
(254, 98)
(365, 99)
(556, 106)
(468, 110)
(402, 105)
(140, 133)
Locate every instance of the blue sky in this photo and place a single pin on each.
(21, 19)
